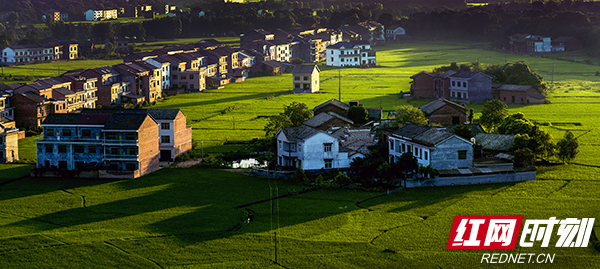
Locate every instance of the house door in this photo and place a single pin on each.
(165, 155)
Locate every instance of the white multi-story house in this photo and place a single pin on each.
(430, 146)
(165, 71)
(348, 54)
(96, 15)
(314, 149)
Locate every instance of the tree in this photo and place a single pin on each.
(408, 113)
(13, 20)
(463, 131)
(493, 113)
(567, 147)
(293, 115)
(471, 115)
(297, 113)
(358, 114)
(516, 124)
(524, 157)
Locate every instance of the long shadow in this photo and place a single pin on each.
(195, 205)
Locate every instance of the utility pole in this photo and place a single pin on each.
(340, 84)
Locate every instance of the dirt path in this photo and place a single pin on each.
(189, 163)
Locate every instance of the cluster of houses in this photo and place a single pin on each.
(330, 140)
(47, 50)
(467, 86)
(527, 43)
(54, 16)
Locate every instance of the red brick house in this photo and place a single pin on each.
(31, 109)
(422, 85)
(441, 84)
(444, 112)
(517, 94)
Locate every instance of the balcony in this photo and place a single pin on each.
(118, 157)
(120, 142)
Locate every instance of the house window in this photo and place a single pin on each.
(328, 163)
(296, 78)
(464, 84)
(91, 149)
(86, 133)
(165, 139)
(111, 136)
(49, 148)
(425, 155)
(165, 126)
(174, 76)
(130, 151)
(327, 147)
(455, 120)
(462, 154)
(391, 145)
(79, 149)
(130, 166)
(297, 86)
(62, 148)
(49, 132)
(453, 83)
(66, 132)
(129, 136)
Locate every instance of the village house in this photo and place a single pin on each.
(121, 143)
(165, 71)
(31, 109)
(441, 84)
(430, 146)
(98, 15)
(394, 32)
(371, 31)
(467, 86)
(306, 78)
(422, 85)
(9, 144)
(314, 149)
(111, 90)
(323, 121)
(144, 79)
(492, 144)
(348, 54)
(7, 114)
(175, 138)
(332, 105)
(517, 94)
(444, 112)
(566, 43)
(526, 43)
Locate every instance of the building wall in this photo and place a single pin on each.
(183, 135)
(444, 115)
(398, 146)
(508, 96)
(422, 86)
(148, 146)
(9, 147)
(313, 155)
(445, 155)
(480, 88)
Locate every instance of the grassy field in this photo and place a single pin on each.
(148, 46)
(36, 71)
(198, 218)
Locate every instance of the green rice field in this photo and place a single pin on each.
(205, 218)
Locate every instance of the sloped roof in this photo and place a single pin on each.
(467, 74)
(439, 103)
(536, 95)
(33, 97)
(323, 118)
(64, 91)
(156, 113)
(447, 74)
(411, 130)
(432, 137)
(164, 113)
(423, 73)
(562, 39)
(513, 88)
(299, 133)
(332, 102)
(305, 69)
(62, 118)
(498, 142)
(93, 119)
(340, 45)
(125, 121)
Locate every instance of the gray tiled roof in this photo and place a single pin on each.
(332, 102)
(513, 88)
(411, 130)
(299, 133)
(62, 118)
(125, 121)
(432, 137)
(536, 95)
(305, 69)
(495, 141)
(318, 120)
(156, 113)
(465, 74)
(447, 74)
(439, 103)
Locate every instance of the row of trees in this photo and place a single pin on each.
(531, 143)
